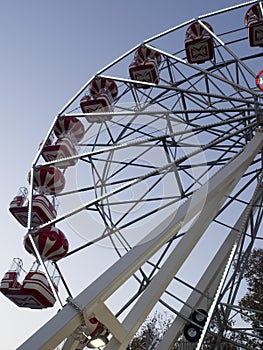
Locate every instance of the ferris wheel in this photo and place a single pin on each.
(157, 160)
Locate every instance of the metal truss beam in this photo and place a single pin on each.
(91, 300)
(208, 283)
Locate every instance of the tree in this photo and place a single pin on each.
(251, 303)
(251, 310)
(151, 332)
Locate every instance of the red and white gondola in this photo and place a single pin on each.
(144, 52)
(47, 180)
(33, 292)
(198, 43)
(100, 85)
(61, 149)
(51, 243)
(102, 93)
(254, 22)
(145, 66)
(70, 127)
(42, 209)
(94, 330)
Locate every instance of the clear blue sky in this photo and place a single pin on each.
(48, 50)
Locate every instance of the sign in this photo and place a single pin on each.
(259, 80)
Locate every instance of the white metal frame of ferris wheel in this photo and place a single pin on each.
(204, 203)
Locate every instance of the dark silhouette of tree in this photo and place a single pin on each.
(151, 332)
(251, 303)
